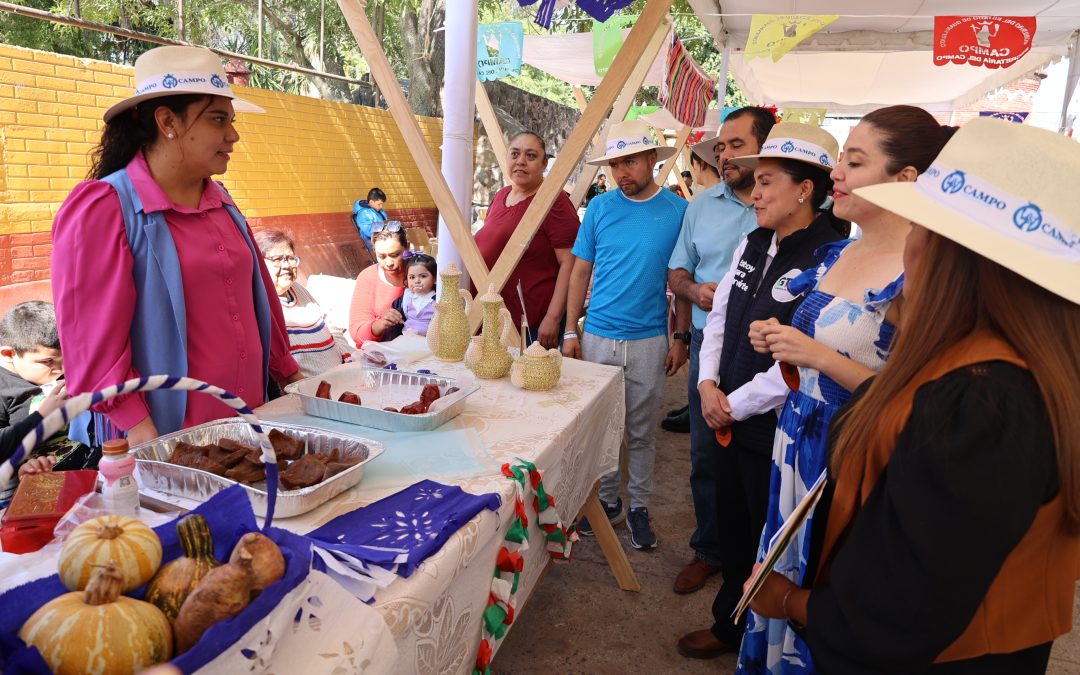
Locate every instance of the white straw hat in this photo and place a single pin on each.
(704, 147)
(167, 71)
(630, 138)
(1005, 191)
(794, 140)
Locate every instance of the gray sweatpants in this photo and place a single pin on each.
(642, 362)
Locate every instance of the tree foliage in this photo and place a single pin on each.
(313, 34)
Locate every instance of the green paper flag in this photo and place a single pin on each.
(608, 40)
(637, 111)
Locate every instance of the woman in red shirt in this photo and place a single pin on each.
(379, 285)
(544, 269)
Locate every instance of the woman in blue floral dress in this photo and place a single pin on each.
(839, 337)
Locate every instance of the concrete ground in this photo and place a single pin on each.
(578, 621)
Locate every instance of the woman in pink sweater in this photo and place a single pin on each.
(379, 285)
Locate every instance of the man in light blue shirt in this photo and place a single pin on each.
(716, 221)
(624, 244)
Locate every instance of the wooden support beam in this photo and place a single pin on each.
(669, 163)
(634, 58)
(609, 542)
(493, 129)
(583, 103)
(459, 225)
(579, 96)
(625, 102)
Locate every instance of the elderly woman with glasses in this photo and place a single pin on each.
(311, 342)
(378, 286)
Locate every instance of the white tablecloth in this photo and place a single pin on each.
(572, 433)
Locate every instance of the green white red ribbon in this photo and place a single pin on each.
(509, 563)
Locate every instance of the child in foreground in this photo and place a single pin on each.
(31, 387)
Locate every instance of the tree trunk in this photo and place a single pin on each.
(424, 51)
(296, 46)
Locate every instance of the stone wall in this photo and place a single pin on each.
(518, 110)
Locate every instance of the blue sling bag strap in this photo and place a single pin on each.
(159, 324)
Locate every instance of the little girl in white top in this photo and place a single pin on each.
(417, 303)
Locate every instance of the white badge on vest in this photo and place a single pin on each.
(780, 292)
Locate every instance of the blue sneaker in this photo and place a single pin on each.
(641, 533)
(614, 513)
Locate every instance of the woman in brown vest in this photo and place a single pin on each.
(953, 530)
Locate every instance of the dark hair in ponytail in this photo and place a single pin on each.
(910, 136)
(132, 130)
(800, 171)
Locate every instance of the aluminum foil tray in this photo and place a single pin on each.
(155, 473)
(379, 388)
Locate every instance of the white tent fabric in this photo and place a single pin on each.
(858, 82)
(662, 119)
(569, 58)
(880, 53)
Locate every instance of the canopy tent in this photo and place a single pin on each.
(878, 54)
(569, 58)
(662, 119)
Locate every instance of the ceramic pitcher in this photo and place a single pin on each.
(488, 356)
(448, 333)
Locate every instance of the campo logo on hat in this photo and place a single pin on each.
(630, 137)
(953, 183)
(1028, 218)
(824, 159)
(787, 147)
(1022, 221)
(174, 69)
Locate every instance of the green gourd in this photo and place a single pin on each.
(178, 578)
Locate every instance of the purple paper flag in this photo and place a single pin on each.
(601, 10)
(416, 521)
(545, 13)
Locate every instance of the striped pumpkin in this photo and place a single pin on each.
(98, 630)
(134, 546)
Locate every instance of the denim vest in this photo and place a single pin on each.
(159, 326)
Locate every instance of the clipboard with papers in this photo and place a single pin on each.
(780, 543)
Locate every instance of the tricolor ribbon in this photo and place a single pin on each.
(509, 562)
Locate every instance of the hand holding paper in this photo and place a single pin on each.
(778, 545)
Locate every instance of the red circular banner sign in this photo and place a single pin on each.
(989, 41)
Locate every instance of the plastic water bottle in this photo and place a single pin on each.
(120, 491)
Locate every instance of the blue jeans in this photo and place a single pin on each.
(704, 476)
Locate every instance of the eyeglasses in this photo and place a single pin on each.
(386, 225)
(282, 260)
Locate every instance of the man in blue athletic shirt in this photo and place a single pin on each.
(624, 245)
